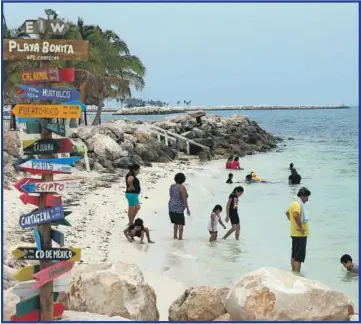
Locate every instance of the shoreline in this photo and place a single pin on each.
(99, 231)
(152, 110)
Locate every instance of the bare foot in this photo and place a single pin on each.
(175, 238)
(141, 242)
(151, 242)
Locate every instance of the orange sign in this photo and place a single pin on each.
(40, 75)
(47, 111)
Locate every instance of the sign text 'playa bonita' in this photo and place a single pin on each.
(51, 50)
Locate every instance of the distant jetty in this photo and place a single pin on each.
(153, 110)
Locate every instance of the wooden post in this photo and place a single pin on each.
(166, 138)
(12, 120)
(45, 291)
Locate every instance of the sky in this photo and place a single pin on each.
(230, 53)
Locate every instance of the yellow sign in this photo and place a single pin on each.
(47, 111)
(18, 253)
(26, 273)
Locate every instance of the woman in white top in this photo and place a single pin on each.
(213, 223)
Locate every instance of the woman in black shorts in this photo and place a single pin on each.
(232, 212)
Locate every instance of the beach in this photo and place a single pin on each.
(169, 266)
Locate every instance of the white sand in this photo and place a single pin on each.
(99, 220)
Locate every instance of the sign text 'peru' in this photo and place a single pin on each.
(40, 93)
(50, 50)
(41, 216)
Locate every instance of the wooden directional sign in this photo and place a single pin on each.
(24, 181)
(47, 111)
(41, 75)
(37, 238)
(43, 26)
(34, 316)
(35, 127)
(24, 289)
(58, 186)
(47, 75)
(55, 128)
(41, 49)
(77, 102)
(32, 253)
(49, 274)
(41, 93)
(26, 273)
(57, 237)
(29, 305)
(50, 200)
(46, 168)
(47, 146)
(41, 216)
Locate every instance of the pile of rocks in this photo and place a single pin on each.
(117, 144)
(235, 135)
(266, 294)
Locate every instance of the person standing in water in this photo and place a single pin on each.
(294, 177)
(232, 212)
(132, 192)
(297, 215)
(178, 202)
(213, 223)
(235, 164)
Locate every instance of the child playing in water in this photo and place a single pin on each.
(215, 218)
(137, 229)
(350, 266)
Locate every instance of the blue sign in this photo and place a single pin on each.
(68, 161)
(37, 238)
(58, 94)
(42, 216)
(27, 120)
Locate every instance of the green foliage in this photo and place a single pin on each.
(110, 72)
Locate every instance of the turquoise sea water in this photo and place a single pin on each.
(325, 153)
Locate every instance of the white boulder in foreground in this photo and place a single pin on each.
(276, 295)
(115, 289)
(85, 316)
(199, 304)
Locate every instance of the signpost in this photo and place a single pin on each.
(24, 289)
(50, 200)
(59, 186)
(47, 111)
(49, 49)
(45, 50)
(41, 93)
(41, 216)
(53, 272)
(47, 75)
(32, 253)
(46, 168)
(42, 26)
(34, 316)
(47, 146)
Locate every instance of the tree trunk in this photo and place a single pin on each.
(96, 120)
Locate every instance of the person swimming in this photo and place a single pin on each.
(253, 178)
(235, 164)
(229, 162)
(291, 166)
(230, 177)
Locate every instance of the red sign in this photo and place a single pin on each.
(48, 75)
(49, 274)
(50, 200)
(35, 315)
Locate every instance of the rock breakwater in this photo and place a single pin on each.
(153, 110)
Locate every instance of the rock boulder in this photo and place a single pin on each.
(199, 304)
(270, 294)
(115, 289)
